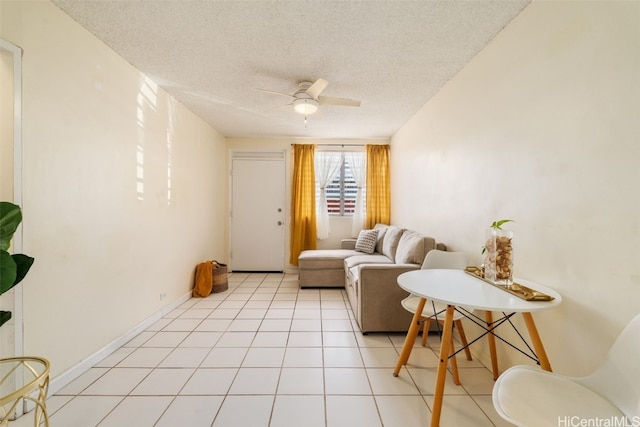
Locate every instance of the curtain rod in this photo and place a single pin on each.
(338, 145)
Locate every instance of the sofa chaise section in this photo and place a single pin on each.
(324, 268)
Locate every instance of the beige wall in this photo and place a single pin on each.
(541, 127)
(118, 185)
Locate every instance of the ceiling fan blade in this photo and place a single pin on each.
(283, 106)
(325, 100)
(276, 93)
(316, 89)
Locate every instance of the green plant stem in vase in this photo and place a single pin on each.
(498, 252)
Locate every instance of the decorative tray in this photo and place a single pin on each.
(516, 289)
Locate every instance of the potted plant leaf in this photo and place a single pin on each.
(13, 267)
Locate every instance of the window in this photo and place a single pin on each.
(342, 191)
(340, 180)
(341, 187)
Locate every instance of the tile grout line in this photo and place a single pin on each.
(326, 302)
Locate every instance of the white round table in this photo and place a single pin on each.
(455, 288)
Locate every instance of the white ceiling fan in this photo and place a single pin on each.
(307, 98)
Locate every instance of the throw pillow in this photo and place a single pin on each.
(367, 241)
(382, 228)
(410, 248)
(390, 243)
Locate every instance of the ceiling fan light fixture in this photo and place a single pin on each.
(305, 106)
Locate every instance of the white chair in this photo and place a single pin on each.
(528, 396)
(433, 310)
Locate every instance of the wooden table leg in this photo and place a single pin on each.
(454, 362)
(442, 367)
(463, 339)
(492, 345)
(410, 340)
(536, 341)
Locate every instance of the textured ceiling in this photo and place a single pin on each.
(393, 56)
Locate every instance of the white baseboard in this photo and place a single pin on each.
(62, 380)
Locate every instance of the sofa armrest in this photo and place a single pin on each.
(380, 296)
(348, 243)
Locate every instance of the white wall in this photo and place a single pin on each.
(118, 185)
(541, 127)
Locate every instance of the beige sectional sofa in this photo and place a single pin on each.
(370, 279)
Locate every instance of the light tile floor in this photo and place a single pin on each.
(266, 353)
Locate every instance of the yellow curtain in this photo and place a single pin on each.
(378, 186)
(303, 202)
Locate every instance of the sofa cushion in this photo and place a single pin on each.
(390, 243)
(410, 248)
(367, 241)
(356, 260)
(324, 258)
(382, 229)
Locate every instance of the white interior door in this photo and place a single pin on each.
(257, 211)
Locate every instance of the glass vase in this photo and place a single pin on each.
(498, 257)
